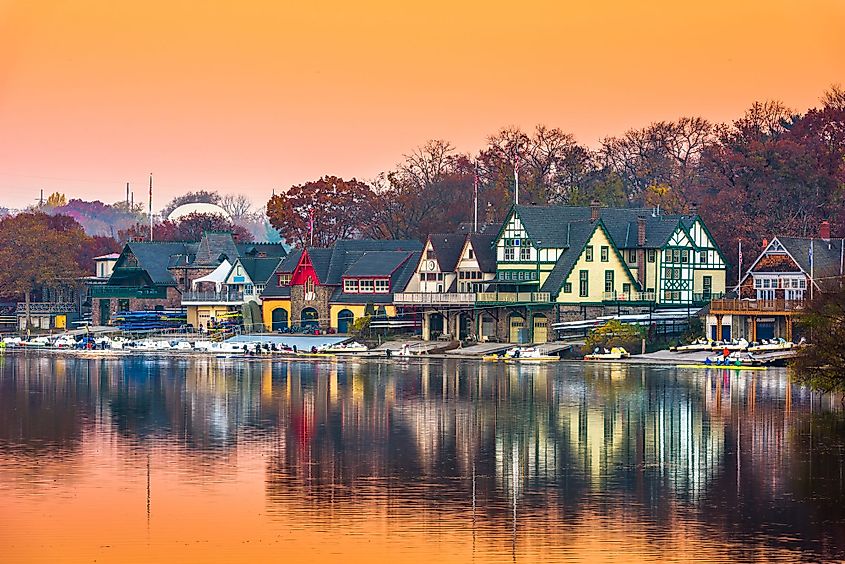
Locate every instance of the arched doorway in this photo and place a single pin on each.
(345, 318)
(541, 328)
(516, 323)
(279, 321)
(435, 325)
(309, 318)
(488, 327)
(465, 326)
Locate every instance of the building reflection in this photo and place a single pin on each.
(500, 440)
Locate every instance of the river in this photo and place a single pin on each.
(141, 459)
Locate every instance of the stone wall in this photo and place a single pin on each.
(320, 303)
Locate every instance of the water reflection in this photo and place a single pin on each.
(522, 462)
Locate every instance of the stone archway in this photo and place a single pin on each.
(309, 318)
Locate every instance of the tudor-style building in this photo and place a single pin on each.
(773, 291)
(453, 268)
(330, 288)
(564, 263)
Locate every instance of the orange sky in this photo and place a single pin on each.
(250, 96)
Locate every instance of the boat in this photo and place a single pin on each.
(350, 347)
(616, 353)
(523, 354)
(722, 366)
(771, 345)
(734, 345)
(701, 344)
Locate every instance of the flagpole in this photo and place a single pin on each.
(475, 197)
(739, 271)
(516, 180)
(812, 270)
(151, 206)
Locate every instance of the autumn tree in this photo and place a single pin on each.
(335, 208)
(820, 364)
(56, 200)
(36, 250)
(188, 228)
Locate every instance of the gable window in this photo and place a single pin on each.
(702, 257)
(429, 254)
(350, 286)
(608, 281)
(588, 253)
(650, 255)
(284, 279)
(470, 254)
(510, 254)
(632, 256)
(366, 286)
(382, 286)
(605, 253)
(583, 283)
(567, 288)
(309, 285)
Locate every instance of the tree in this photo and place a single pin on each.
(335, 208)
(37, 249)
(98, 218)
(55, 200)
(820, 364)
(200, 196)
(188, 228)
(237, 206)
(613, 333)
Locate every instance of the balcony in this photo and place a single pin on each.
(628, 297)
(226, 297)
(46, 307)
(513, 297)
(433, 298)
(107, 291)
(750, 307)
(706, 298)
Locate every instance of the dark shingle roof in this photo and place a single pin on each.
(580, 233)
(260, 269)
(154, 258)
(401, 273)
(447, 248)
(377, 263)
(288, 264)
(213, 247)
(333, 262)
(255, 249)
(826, 258)
(485, 252)
(320, 260)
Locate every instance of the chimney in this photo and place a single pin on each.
(490, 215)
(595, 210)
(824, 231)
(693, 209)
(765, 243)
(641, 231)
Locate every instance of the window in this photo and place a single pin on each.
(567, 288)
(802, 283)
(589, 253)
(608, 281)
(240, 271)
(470, 254)
(651, 255)
(707, 286)
(365, 286)
(766, 283)
(429, 254)
(632, 256)
(248, 289)
(510, 254)
(382, 286)
(702, 257)
(351, 286)
(667, 273)
(605, 254)
(583, 283)
(626, 289)
(684, 256)
(525, 253)
(309, 285)
(422, 276)
(284, 279)
(758, 282)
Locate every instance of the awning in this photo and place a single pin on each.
(218, 276)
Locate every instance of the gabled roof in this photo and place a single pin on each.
(485, 251)
(259, 270)
(377, 263)
(399, 277)
(579, 236)
(447, 248)
(154, 258)
(330, 264)
(214, 247)
(549, 226)
(288, 264)
(827, 257)
(255, 249)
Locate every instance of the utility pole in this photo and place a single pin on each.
(127, 194)
(475, 199)
(151, 206)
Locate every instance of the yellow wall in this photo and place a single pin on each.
(200, 315)
(718, 281)
(267, 307)
(596, 269)
(357, 310)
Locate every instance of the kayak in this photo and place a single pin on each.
(723, 366)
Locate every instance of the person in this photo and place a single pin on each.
(294, 349)
(726, 353)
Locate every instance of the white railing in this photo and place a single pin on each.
(628, 296)
(433, 298)
(513, 297)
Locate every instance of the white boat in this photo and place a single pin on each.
(698, 345)
(12, 341)
(350, 347)
(181, 346)
(615, 353)
(65, 342)
(37, 342)
(735, 345)
(523, 354)
(772, 345)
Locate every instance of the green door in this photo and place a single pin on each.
(105, 312)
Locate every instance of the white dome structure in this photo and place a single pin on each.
(197, 207)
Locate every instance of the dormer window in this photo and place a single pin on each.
(429, 254)
(350, 286)
(366, 286)
(284, 279)
(382, 286)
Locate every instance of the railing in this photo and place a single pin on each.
(628, 296)
(433, 298)
(767, 306)
(706, 297)
(231, 296)
(513, 297)
(107, 291)
(47, 307)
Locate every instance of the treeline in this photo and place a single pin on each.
(773, 170)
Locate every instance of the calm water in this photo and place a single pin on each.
(140, 459)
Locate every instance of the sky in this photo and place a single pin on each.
(248, 96)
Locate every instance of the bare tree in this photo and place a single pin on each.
(237, 206)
